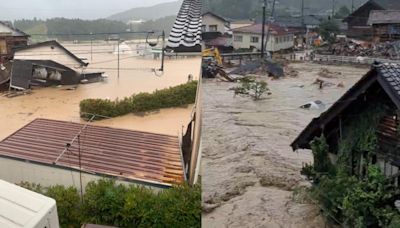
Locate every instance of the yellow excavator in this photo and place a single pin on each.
(212, 53)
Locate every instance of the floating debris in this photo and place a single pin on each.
(313, 105)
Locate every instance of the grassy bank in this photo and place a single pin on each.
(177, 96)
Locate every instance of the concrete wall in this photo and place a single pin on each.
(272, 44)
(211, 20)
(15, 171)
(49, 52)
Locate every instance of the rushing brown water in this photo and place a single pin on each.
(249, 171)
(135, 76)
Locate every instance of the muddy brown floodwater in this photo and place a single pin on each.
(62, 104)
(249, 172)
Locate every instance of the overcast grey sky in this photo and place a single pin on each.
(85, 9)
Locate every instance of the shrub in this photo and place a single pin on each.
(143, 102)
(108, 203)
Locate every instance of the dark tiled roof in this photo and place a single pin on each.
(384, 17)
(388, 4)
(387, 75)
(54, 43)
(135, 156)
(186, 32)
(217, 16)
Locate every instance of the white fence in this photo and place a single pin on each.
(351, 59)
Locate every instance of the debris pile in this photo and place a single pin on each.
(359, 48)
(291, 72)
(260, 67)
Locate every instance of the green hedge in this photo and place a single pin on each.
(108, 203)
(143, 102)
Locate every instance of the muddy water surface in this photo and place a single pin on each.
(135, 76)
(249, 172)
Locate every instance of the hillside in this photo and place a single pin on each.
(239, 9)
(148, 13)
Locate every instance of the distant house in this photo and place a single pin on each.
(44, 63)
(213, 23)
(249, 37)
(357, 22)
(371, 108)
(385, 24)
(10, 38)
(216, 32)
(185, 35)
(50, 152)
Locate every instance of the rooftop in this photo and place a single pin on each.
(384, 17)
(275, 29)
(135, 156)
(185, 35)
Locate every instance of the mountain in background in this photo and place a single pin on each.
(241, 9)
(148, 13)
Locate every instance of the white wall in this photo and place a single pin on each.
(272, 45)
(16, 172)
(48, 53)
(208, 20)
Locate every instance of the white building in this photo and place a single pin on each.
(20, 207)
(249, 37)
(215, 23)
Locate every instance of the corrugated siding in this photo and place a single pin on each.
(123, 153)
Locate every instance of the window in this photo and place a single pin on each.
(203, 28)
(254, 39)
(213, 28)
(238, 39)
(276, 40)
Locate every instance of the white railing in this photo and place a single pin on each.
(351, 59)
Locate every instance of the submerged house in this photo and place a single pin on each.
(363, 125)
(216, 32)
(10, 39)
(45, 63)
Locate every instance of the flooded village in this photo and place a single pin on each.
(199, 113)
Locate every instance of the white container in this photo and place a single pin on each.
(20, 207)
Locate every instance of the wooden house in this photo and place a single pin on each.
(357, 22)
(385, 25)
(10, 39)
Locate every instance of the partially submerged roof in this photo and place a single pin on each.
(388, 77)
(20, 207)
(134, 156)
(53, 43)
(8, 29)
(274, 29)
(185, 35)
(384, 17)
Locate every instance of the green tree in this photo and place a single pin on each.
(328, 29)
(342, 12)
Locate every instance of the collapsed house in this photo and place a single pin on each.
(47, 63)
(50, 152)
(371, 106)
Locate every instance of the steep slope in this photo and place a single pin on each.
(148, 13)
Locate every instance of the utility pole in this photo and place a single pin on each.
(333, 8)
(263, 30)
(118, 55)
(302, 13)
(269, 23)
(352, 6)
(91, 47)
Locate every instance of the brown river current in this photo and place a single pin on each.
(135, 76)
(249, 171)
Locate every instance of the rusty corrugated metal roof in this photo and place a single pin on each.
(134, 155)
